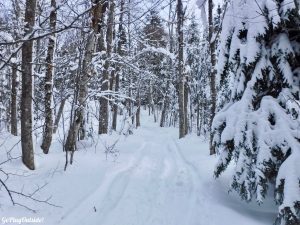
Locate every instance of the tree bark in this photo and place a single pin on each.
(138, 111)
(181, 78)
(165, 106)
(121, 42)
(84, 78)
(13, 102)
(186, 101)
(82, 94)
(151, 101)
(213, 73)
(59, 114)
(14, 82)
(129, 105)
(26, 99)
(104, 112)
(166, 101)
(48, 125)
(115, 106)
(191, 115)
(198, 115)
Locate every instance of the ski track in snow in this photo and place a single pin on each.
(159, 180)
(196, 191)
(155, 186)
(110, 180)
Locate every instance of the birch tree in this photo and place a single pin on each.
(48, 125)
(84, 78)
(104, 107)
(120, 51)
(26, 99)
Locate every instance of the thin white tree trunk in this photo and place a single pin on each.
(48, 125)
(104, 111)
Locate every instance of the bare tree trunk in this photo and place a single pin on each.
(151, 101)
(13, 102)
(129, 95)
(14, 83)
(186, 100)
(165, 106)
(121, 42)
(104, 112)
(181, 78)
(59, 114)
(171, 42)
(138, 111)
(111, 82)
(115, 106)
(213, 73)
(48, 125)
(191, 115)
(84, 78)
(164, 112)
(82, 94)
(26, 100)
(198, 116)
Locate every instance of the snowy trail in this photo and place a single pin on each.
(151, 190)
(157, 180)
(110, 179)
(156, 187)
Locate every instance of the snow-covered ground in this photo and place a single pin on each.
(156, 180)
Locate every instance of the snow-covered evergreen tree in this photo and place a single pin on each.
(198, 66)
(259, 61)
(153, 58)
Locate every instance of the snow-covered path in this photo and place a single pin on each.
(157, 187)
(156, 180)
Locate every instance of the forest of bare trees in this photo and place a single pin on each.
(77, 70)
(121, 57)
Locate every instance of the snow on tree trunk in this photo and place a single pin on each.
(48, 125)
(84, 78)
(26, 99)
(13, 102)
(104, 112)
(212, 72)
(82, 95)
(186, 102)
(138, 111)
(165, 106)
(121, 42)
(181, 77)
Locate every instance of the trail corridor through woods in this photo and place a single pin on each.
(157, 186)
(156, 180)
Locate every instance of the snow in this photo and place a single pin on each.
(156, 180)
(291, 191)
(286, 6)
(200, 3)
(6, 37)
(156, 50)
